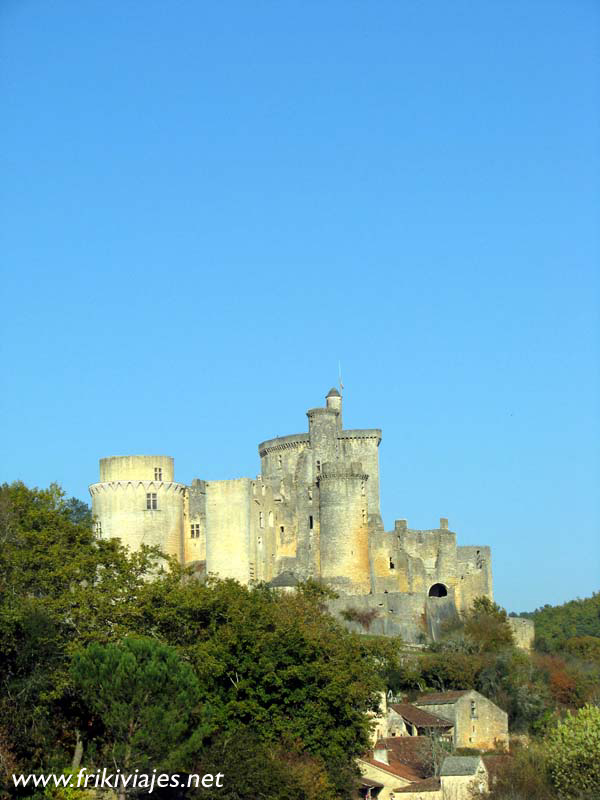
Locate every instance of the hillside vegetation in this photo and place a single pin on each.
(563, 627)
(117, 659)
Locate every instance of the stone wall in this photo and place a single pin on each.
(523, 630)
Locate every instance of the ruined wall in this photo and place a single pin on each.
(523, 630)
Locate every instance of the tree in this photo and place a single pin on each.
(60, 588)
(487, 626)
(573, 751)
(144, 695)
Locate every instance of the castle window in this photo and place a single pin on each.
(310, 522)
(98, 528)
(261, 519)
(270, 519)
(392, 565)
(158, 473)
(318, 467)
(362, 488)
(151, 504)
(263, 489)
(282, 529)
(279, 461)
(310, 495)
(195, 530)
(364, 514)
(473, 711)
(260, 541)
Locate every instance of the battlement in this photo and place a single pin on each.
(312, 512)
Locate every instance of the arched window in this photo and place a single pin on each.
(438, 590)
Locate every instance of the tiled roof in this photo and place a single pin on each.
(428, 785)
(440, 698)
(414, 751)
(395, 768)
(460, 765)
(417, 716)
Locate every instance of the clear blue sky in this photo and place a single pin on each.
(204, 206)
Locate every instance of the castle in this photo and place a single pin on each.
(312, 512)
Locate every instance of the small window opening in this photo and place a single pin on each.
(195, 530)
(438, 590)
(157, 473)
(281, 529)
(263, 489)
(151, 504)
(318, 467)
(310, 522)
(261, 519)
(260, 541)
(392, 565)
(279, 461)
(270, 519)
(98, 528)
(364, 514)
(310, 494)
(473, 710)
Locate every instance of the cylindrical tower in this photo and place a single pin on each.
(344, 543)
(138, 501)
(334, 402)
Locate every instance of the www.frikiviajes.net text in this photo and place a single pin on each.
(106, 779)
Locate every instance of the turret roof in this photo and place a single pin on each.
(333, 392)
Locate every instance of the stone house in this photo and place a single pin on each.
(394, 762)
(461, 778)
(476, 721)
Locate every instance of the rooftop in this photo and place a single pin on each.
(461, 765)
(440, 698)
(418, 717)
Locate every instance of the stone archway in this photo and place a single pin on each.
(438, 590)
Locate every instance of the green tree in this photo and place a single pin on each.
(573, 752)
(487, 626)
(60, 588)
(145, 697)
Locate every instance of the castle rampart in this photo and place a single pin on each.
(313, 512)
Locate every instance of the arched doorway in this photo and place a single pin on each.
(438, 590)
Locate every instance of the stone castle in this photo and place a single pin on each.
(313, 512)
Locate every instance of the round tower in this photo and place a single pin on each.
(334, 402)
(344, 543)
(138, 501)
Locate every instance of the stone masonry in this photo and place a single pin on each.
(313, 512)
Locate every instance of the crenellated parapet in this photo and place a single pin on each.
(312, 512)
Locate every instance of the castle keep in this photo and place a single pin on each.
(312, 512)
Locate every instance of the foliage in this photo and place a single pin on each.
(573, 750)
(555, 625)
(487, 626)
(277, 670)
(144, 695)
(253, 768)
(522, 776)
(60, 588)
